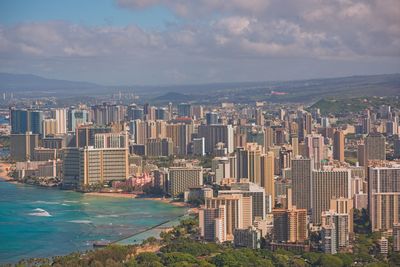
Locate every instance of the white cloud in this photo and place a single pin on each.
(210, 35)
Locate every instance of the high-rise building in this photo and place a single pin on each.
(215, 134)
(106, 114)
(211, 118)
(338, 146)
(344, 206)
(49, 127)
(161, 114)
(238, 211)
(212, 223)
(315, 149)
(180, 133)
(301, 183)
(268, 138)
(199, 146)
(183, 178)
(267, 175)
(184, 110)
(19, 121)
(197, 112)
(60, 115)
(77, 117)
(248, 238)
(71, 165)
(22, 146)
(85, 134)
(102, 165)
(159, 147)
(328, 238)
(341, 223)
(23, 121)
(111, 140)
(396, 237)
(290, 225)
(384, 197)
(375, 147)
(327, 185)
(248, 189)
(259, 116)
(361, 156)
(397, 147)
(135, 113)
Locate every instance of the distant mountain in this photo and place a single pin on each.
(172, 97)
(26, 83)
(304, 91)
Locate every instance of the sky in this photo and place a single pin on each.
(157, 42)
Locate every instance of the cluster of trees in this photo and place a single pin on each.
(179, 247)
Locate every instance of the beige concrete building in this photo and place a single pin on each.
(49, 127)
(384, 197)
(60, 115)
(101, 165)
(290, 225)
(238, 211)
(183, 178)
(267, 175)
(326, 185)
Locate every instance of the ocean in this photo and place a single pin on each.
(44, 222)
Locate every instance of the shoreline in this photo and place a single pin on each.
(138, 196)
(111, 194)
(4, 170)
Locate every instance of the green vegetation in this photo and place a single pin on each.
(344, 106)
(362, 224)
(179, 247)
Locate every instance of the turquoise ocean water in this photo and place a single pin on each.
(41, 222)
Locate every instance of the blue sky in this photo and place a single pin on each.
(198, 41)
(89, 12)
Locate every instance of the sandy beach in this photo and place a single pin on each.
(166, 201)
(113, 194)
(4, 169)
(131, 195)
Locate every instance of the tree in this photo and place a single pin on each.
(175, 257)
(147, 259)
(327, 260)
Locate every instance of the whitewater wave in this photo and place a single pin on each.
(108, 216)
(64, 204)
(47, 202)
(81, 221)
(71, 201)
(40, 213)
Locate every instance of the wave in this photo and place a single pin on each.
(47, 202)
(71, 201)
(64, 204)
(108, 216)
(40, 213)
(81, 221)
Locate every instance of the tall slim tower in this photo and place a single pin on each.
(301, 183)
(338, 146)
(267, 175)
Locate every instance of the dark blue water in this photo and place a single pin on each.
(40, 222)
